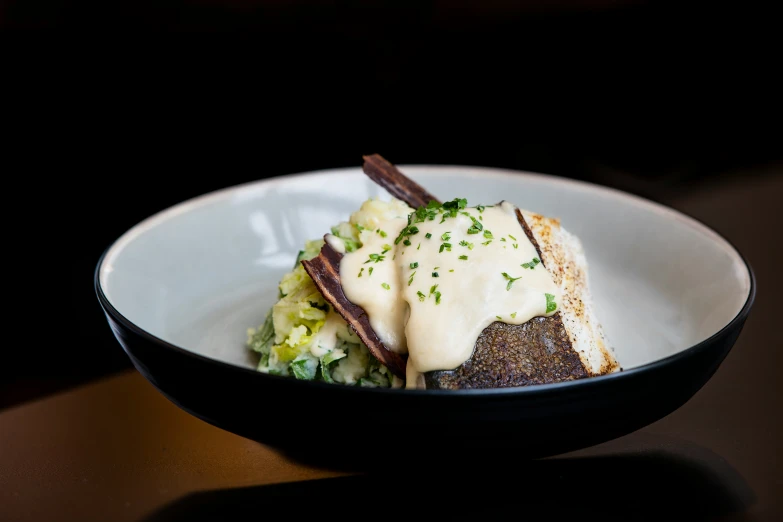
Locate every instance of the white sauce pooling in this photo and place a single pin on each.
(443, 291)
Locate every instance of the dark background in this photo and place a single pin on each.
(140, 105)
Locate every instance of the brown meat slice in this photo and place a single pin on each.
(395, 182)
(324, 270)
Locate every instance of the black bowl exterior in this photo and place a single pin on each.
(348, 427)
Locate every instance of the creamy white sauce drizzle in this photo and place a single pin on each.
(438, 325)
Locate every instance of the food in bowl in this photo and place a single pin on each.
(421, 294)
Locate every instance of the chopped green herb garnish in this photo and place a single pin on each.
(437, 298)
(358, 227)
(485, 243)
(480, 208)
(376, 258)
(410, 279)
(386, 248)
(382, 233)
(532, 264)
(407, 242)
(512, 237)
(422, 297)
(464, 258)
(466, 244)
(436, 268)
(513, 315)
(456, 204)
(360, 272)
(418, 247)
(370, 271)
(515, 245)
(445, 246)
(510, 280)
(414, 265)
(498, 317)
(428, 235)
(451, 270)
(488, 234)
(476, 227)
(481, 217)
(433, 288)
(385, 285)
(503, 239)
(435, 274)
(551, 306)
(446, 236)
(406, 232)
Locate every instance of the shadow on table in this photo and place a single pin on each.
(652, 486)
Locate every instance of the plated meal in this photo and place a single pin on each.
(421, 294)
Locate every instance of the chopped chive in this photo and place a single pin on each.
(407, 242)
(433, 288)
(515, 245)
(512, 237)
(511, 280)
(476, 227)
(428, 235)
(446, 236)
(436, 268)
(503, 239)
(410, 279)
(532, 264)
(437, 298)
(499, 318)
(481, 217)
(414, 265)
(382, 233)
(370, 271)
(451, 270)
(376, 258)
(435, 274)
(386, 286)
(358, 227)
(446, 246)
(480, 208)
(513, 315)
(488, 234)
(464, 258)
(418, 247)
(551, 306)
(485, 243)
(360, 272)
(422, 297)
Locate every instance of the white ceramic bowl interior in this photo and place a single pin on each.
(199, 274)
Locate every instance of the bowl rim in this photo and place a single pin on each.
(440, 170)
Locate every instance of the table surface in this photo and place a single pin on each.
(118, 450)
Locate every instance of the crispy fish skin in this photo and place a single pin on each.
(395, 182)
(506, 355)
(324, 270)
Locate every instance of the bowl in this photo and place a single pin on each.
(181, 288)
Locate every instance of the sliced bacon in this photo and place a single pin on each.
(395, 182)
(324, 270)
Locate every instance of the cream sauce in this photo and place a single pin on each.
(432, 298)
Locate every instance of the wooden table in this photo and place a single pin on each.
(117, 450)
